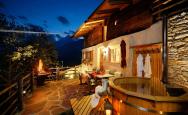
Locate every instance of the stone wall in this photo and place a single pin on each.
(178, 49)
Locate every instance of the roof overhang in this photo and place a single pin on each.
(87, 27)
(100, 15)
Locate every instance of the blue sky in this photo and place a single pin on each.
(42, 12)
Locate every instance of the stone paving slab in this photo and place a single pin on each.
(54, 97)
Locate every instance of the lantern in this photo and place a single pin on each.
(108, 107)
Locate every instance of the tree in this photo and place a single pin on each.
(19, 52)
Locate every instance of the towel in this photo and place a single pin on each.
(99, 90)
(95, 97)
(140, 66)
(147, 67)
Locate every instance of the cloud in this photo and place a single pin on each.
(34, 27)
(45, 23)
(70, 32)
(59, 37)
(11, 17)
(23, 18)
(66, 33)
(63, 20)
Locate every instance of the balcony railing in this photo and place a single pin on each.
(11, 98)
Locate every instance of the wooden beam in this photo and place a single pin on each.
(171, 6)
(115, 2)
(87, 26)
(99, 18)
(107, 11)
(156, 1)
(85, 30)
(81, 33)
(161, 3)
(94, 22)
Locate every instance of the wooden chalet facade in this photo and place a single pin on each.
(138, 22)
(155, 27)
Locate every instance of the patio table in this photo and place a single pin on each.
(104, 76)
(41, 78)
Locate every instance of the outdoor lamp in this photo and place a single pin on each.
(24, 92)
(105, 51)
(108, 107)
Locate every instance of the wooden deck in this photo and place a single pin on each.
(82, 106)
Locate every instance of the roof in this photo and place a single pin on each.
(100, 15)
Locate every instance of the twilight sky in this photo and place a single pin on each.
(54, 15)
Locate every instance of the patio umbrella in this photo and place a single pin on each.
(123, 54)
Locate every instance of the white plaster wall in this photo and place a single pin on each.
(150, 35)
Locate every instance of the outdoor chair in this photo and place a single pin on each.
(92, 84)
(60, 75)
(51, 77)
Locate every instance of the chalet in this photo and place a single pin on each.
(157, 28)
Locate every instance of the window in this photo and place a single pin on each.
(115, 55)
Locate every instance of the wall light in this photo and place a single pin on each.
(161, 49)
(115, 22)
(105, 50)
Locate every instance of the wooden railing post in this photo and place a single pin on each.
(31, 82)
(75, 71)
(20, 94)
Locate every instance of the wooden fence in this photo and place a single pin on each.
(11, 98)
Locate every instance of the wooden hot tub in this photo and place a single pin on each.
(139, 96)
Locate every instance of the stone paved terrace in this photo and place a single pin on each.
(54, 97)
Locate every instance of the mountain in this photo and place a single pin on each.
(69, 50)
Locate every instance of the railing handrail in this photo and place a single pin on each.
(6, 89)
(25, 77)
(14, 93)
(14, 84)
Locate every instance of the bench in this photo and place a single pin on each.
(82, 106)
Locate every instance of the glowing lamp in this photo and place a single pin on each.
(108, 112)
(108, 107)
(115, 23)
(105, 50)
(24, 92)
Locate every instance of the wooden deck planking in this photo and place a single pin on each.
(73, 102)
(77, 104)
(88, 108)
(82, 107)
(85, 105)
